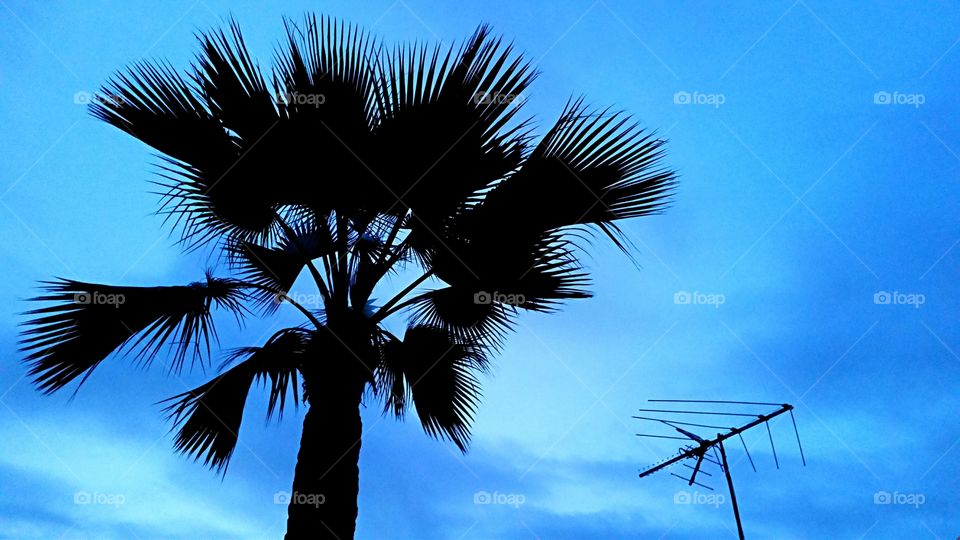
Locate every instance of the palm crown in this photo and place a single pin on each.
(350, 160)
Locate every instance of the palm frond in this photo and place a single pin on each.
(470, 314)
(210, 130)
(199, 156)
(331, 60)
(155, 104)
(532, 272)
(389, 384)
(209, 416)
(88, 321)
(438, 372)
(592, 167)
(445, 122)
(233, 86)
(226, 199)
(554, 274)
(324, 83)
(275, 269)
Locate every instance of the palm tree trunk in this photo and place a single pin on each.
(323, 503)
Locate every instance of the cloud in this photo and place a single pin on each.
(75, 477)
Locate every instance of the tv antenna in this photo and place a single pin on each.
(705, 449)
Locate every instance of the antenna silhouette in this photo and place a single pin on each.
(704, 449)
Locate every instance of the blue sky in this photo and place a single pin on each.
(819, 162)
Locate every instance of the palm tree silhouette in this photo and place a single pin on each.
(352, 161)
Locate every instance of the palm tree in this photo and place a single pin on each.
(352, 161)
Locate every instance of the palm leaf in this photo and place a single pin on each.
(199, 156)
(88, 321)
(233, 86)
(207, 128)
(325, 89)
(275, 269)
(390, 384)
(554, 275)
(592, 167)
(439, 140)
(438, 373)
(466, 313)
(209, 416)
(533, 271)
(155, 104)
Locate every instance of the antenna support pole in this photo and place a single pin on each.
(733, 495)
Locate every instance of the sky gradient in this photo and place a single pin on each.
(818, 157)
